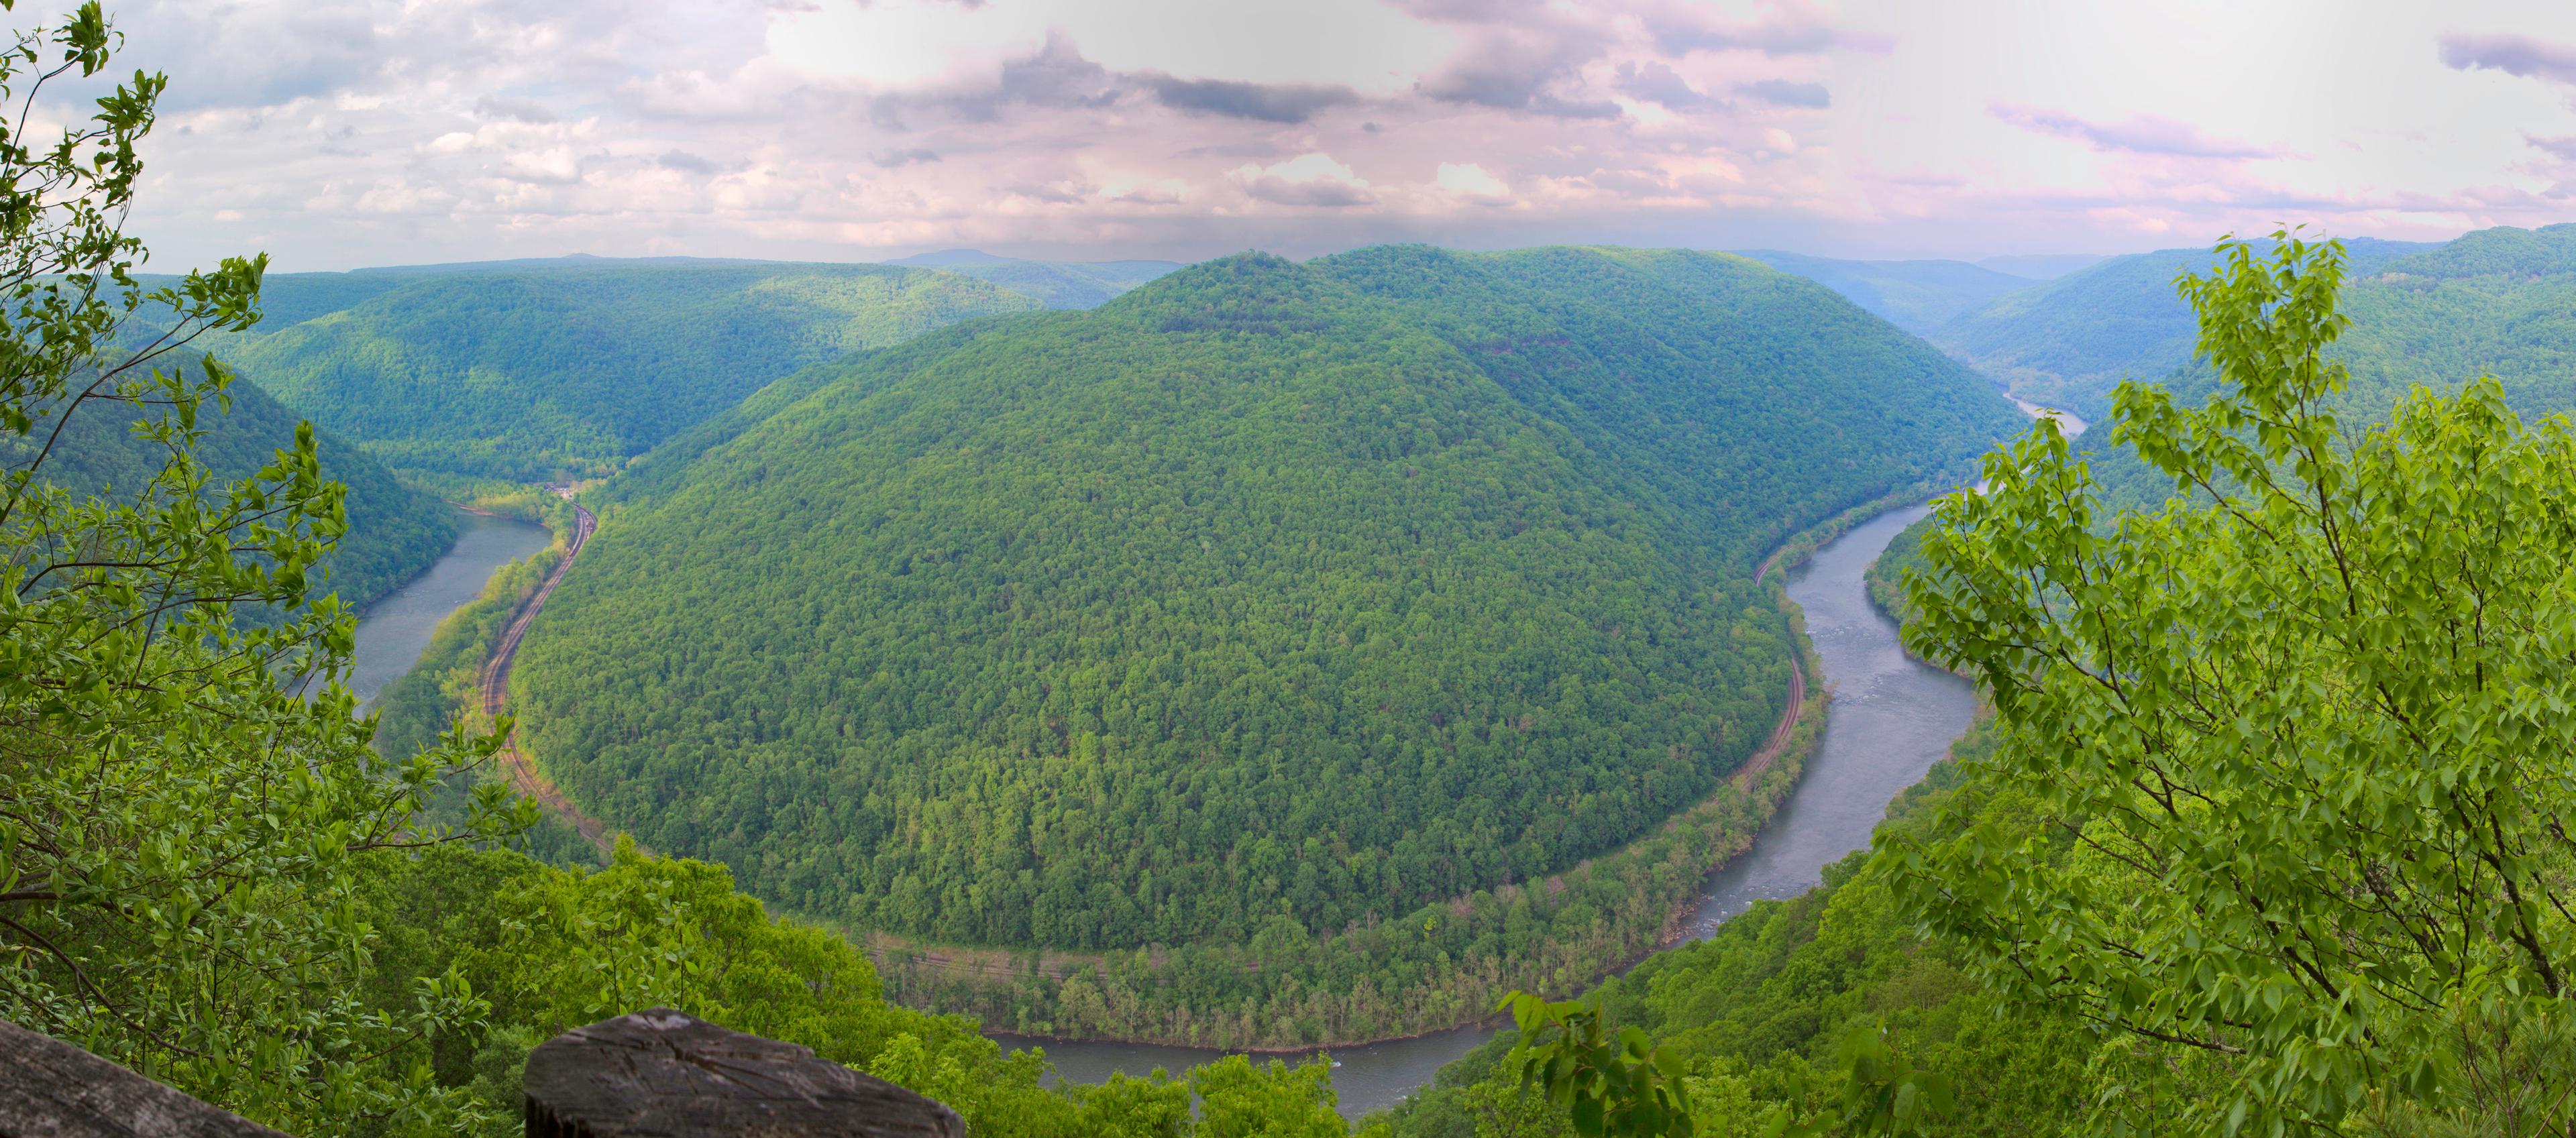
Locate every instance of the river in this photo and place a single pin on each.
(394, 630)
(1890, 718)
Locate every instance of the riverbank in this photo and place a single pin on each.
(1289, 992)
(494, 685)
(1431, 970)
(444, 682)
(1889, 719)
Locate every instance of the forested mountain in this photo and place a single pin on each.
(1917, 296)
(2495, 301)
(2040, 266)
(394, 531)
(1056, 284)
(2067, 342)
(1324, 590)
(539, 373)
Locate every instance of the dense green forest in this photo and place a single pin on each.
(567, 371)
(2266, 833)
(1444, 963)
(1266, 596)
(394, 531)
(1918, 296)
(1056, 284)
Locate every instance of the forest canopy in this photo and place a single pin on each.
(1321, 591)
(570, 368)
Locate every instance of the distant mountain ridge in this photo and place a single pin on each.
(2069, 341)
(2499, 301)
(2041, 266)
(1056, 284)
(1917, 296)
(568, 370)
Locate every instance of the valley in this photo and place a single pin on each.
(1266, 701)
(1889, 719)
(1014, 569)
(879, 476)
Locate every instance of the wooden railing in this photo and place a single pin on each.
(659, 1073)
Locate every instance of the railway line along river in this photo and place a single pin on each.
(394, 630)
(1891, 717)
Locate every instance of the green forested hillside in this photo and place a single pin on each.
(1056, 284)
(1320, 590)
(568, 371)
(394, 531)
(2066, 343)
(1918, 296)
(1754, 402)
(2497, 301)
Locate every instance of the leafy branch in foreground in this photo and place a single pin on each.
(1611, 1083)
(2298, 745)
(182, 791)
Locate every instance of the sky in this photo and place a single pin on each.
(334, 134)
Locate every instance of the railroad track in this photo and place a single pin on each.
(515, 763)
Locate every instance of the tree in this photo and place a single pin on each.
(2297, 744)
(1610, 1083)
(183, 781)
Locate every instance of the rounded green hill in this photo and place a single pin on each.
(1320, 589)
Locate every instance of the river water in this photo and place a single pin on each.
(1890, 718)
(394, 630)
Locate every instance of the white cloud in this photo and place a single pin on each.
(388, 131)
(1315, 179)
(1470, 179)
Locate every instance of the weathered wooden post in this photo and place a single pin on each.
(52, 1089)
(664, 1074)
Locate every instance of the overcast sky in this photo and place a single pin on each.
(342, 133)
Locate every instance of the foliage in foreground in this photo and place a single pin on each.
(549, 949)
(178, 827)
(1812, 1015)
(2295, 751)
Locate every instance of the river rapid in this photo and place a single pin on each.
(1889, 719)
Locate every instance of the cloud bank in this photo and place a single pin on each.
(386, 131)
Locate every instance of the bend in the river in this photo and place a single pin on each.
(1890, 718)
